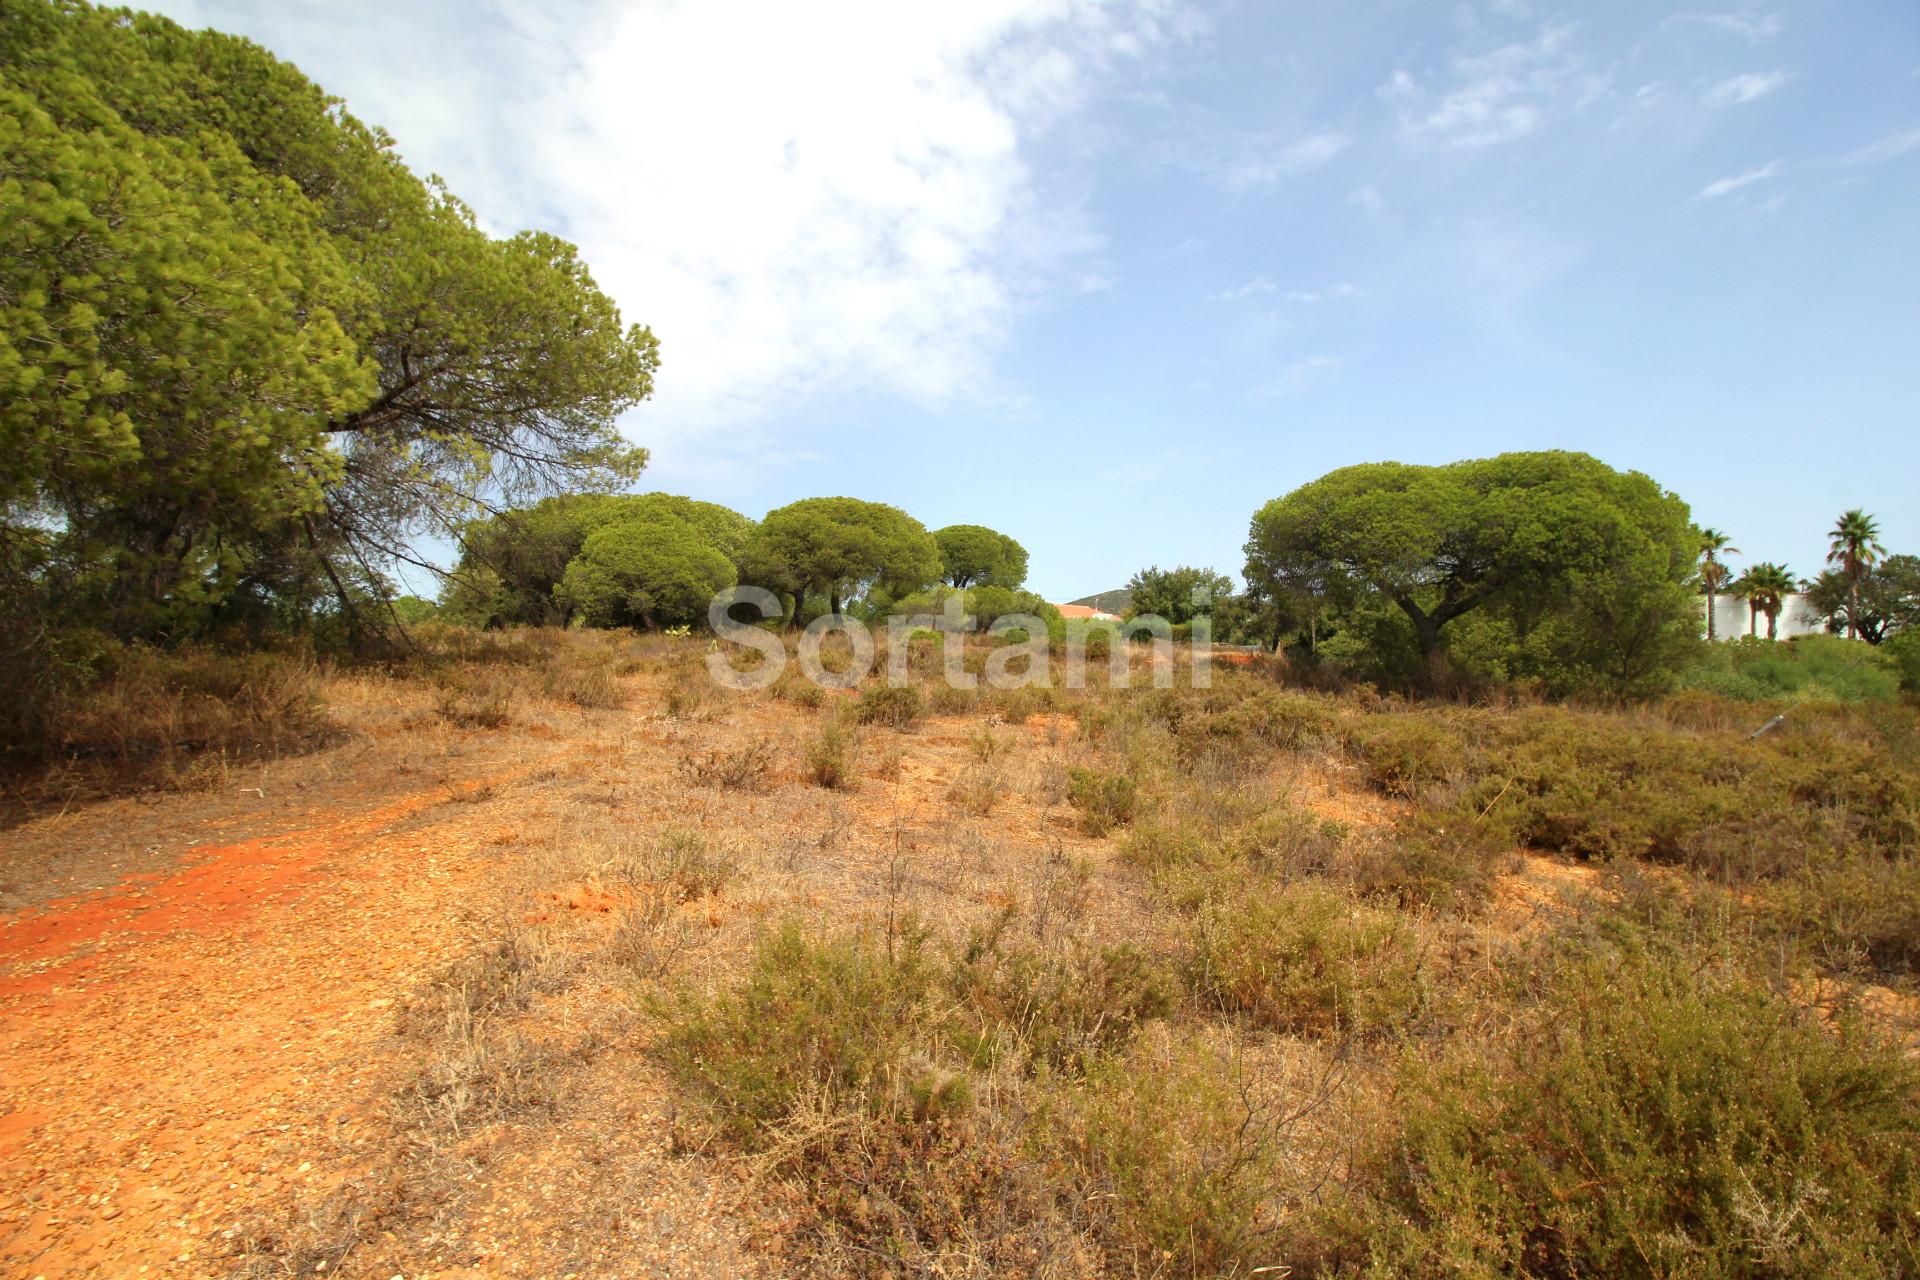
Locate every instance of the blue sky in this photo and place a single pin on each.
(1110, 276)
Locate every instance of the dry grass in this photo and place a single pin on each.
(1178, 982)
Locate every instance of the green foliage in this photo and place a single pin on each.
(1889, 598)
(1589, 566)
(1179, 595)
(1902, 651)
(975, 556)
(984, 605)
(839, 549)
(1304, 959)
(1105, 800)
(246, 357)
(649, 571)
(1803, 669)
(831, 1020)
(895, 706)
(1176, 1157)
(1652, 1118)
(658, 558)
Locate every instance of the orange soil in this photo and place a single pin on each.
(164, 1039)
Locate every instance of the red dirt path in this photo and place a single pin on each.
(173, 1047)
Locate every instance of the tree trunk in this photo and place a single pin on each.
(1853, 609)
(834, 598)
(1711, 600)
(1773, 624)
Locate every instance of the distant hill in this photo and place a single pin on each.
(1118, 600)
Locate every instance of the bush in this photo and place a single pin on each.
(1655, 1118)
(1902, 653)
(896, 706)
(830, 757)
(1175, 1157)
(829, 1022)
(1058, 1010)
(1604, 787)
(1105, 801)
(154, 709)
(750, 768)
(1806, 668)
(1432, 860)
(1303, 959)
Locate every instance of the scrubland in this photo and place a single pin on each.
(1248, 979)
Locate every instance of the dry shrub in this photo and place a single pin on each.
(951, 700)
(895, 706)
(793, 686)
(156, 709)
(592, 685)
(477, 697)
(1174, 1154)
(1654, 1114)
(977, 789)
(831, 757)
(1304, 959)
(686, 863)
(748, 768)
(647, 937)
(479, 1067)
(1105, 801)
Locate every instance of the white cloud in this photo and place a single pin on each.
(1727, 186)
(1259, 284)
(1296, 379)
(1737, 90)
(1891, 147)
(802, 201)
(1266, 162)
(1753, 28)
(1502, 95)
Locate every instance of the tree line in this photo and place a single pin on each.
(656, 561)
(1549, 568)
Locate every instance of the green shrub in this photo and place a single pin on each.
(1059, 1010)
(1305, 959)
(1655, 1118)
(830, 1021)
(1902, 653)
(1432, 859)
(1174, 1157)
(1405, 754)
(1806, 668)
(895, 706)
(830, 757)
(1602, 786)
(1105, 801)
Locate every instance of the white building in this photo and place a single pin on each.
(1731, 618)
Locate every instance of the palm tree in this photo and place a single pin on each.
(1766, 587)
(1854, 548)
(1743, 588)
(1713, 573)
